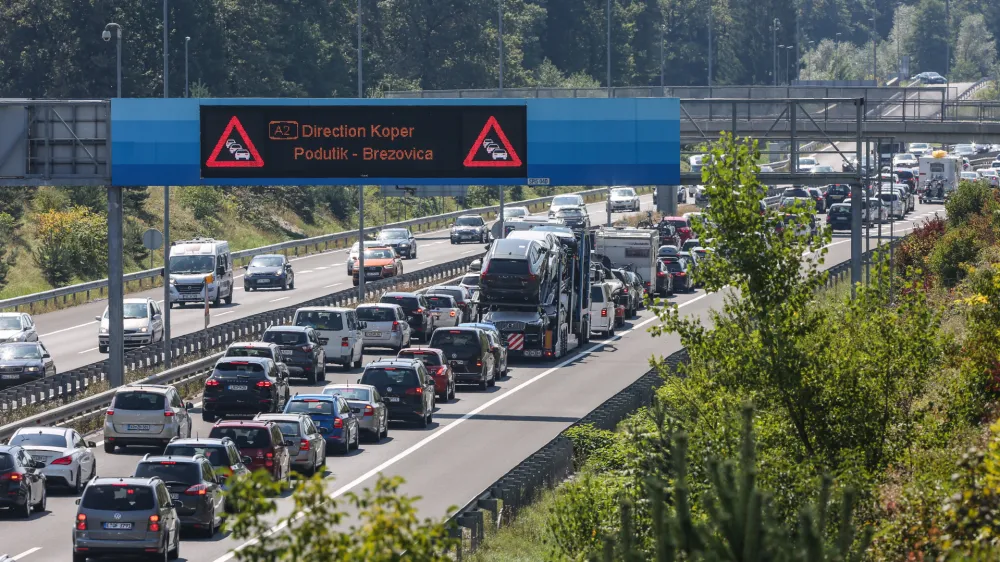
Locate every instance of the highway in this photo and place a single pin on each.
(473, 440)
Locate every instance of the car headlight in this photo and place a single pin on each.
(32, 369)
(404, 244)
(143, 330)
(173, 281)
(104, 330)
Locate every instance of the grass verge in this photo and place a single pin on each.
(524, 539)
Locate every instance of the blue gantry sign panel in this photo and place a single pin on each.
(633, 141)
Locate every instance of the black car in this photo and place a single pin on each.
(907, 177)
(574, 217)
(271, 271)
(513, 271)
(418, 313)
(244, 385)
(405, 386)
(194, 486)
(839, 217)
(469, 228)
(470, 354)
(22, 484)
(632, 291)
(462, 296)
(399, 239)
(302, 350)
(677, 267)
(836, 193)
(817, 196)
(24, 362)
(664, 280)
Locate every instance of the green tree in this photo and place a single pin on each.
(975, 49)
(969, 199)
(930, 45)
(8, 249)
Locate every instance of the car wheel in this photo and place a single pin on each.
(357, 364)
(24, 511)
(109, 448)
(611, 331)
(452, 391)
(175, 553)
(484, 384)
(424, 422)
(321, 371)
(443, 397)
(357, 440)
(78, 486)
(284, 284)
(102, 348)
(229, 297)
(413, 255)
(210, 531)
(40, 506)
(346, 447)
(80, 557)
(291, 285)
(312, 377)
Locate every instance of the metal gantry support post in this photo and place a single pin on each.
(361, 244)
(167, 355)
(500, 214)
(793, 160)
(859, 105)
(608, 199)
(116, 290)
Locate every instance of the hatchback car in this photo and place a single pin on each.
(147, 414)
(380, 263)
(308, 448)
(119, 517)
(437, 367)
(259, 441)
(418, 313)
(352, 256)
(839, 217)
(332, 416)
(406, 388)
(69, 460)
(302, 350)
(386, 325)
(574, 217)
(497, 341)
(270, 271)
(463, 298)
(677, 268)
(24, 362)
(259, 349)
(469, 228)
(817, 196)
(366, 405)
(836, 193)
(568, 200)
(17, 326)
(143, 324)
(446, 312)
(244, 385)
(399, 239)
(22, 483)
(513, 270)
(194, 487)
(623, 199)
(682, 225)
(469, 353)
(222, 453)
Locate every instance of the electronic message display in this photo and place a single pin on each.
(364, 141)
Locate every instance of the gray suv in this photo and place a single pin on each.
(126, 517)
(194, 486)
(149, 414)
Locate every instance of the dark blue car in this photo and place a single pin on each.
(269, 271)
(332, 416)
(24, 362)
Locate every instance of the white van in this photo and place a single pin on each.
(341, 330)
(602, 309)
(191, 262)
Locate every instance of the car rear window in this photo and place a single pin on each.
(376, 314)
(455, 338)
(216, 454)
(840, 211)
(349, 393)
(677, 223)
(142, 401)
(284, 338)
(429, 359)
(320, 320)
(597, 294)
(38, 440)
(244, 437)
(118, 498)
(838, 190)
(6, 461)
(239, 368)
(674, 266)
(380, 377)
(439, 302)
(288, 428)
(471, 280)
(506, 267)
(249, 352)
(409, 304)
(456, 294)
(170, 471)
(311, 407)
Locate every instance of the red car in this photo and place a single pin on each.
(682, 226)
(261, 441)
(437, 367)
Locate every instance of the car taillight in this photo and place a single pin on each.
(681, 274)
(532, 277)
(63, 461)
(418, 311)
(344, 342)
(414, 391)
(154, 523)
(307, 348)
(604, 313)
(647, 284)
(168, 414)
(625, 290)
(452, 313)
(395, 326)
(369, 411)
(264, 384)
(197, 490)
(479, 363)
(660, 274)
(338, 423)
(212, 383)
(304, 445)
(110, 413)
(81, 522)
(12, 477)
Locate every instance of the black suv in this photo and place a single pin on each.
(194, 486)
(836, 193)
(418, 313)
(513, 270)
(244, 385)
(22, 484)
(469, 228)
(406, 388)
(470, 354)
(302, 350)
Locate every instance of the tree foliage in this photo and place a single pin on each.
(70, 244)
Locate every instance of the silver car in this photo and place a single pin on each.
(126, 517)
(148, 414)
(17, 326)
(447, 313)
(386, 326)
(143, 324)
(471, 282)
(308, 449)
(367, 406)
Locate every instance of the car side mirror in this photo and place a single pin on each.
(77, 502)
(98, 318)
(359, 381)
(46, 356)
(247, 461)
(189, 406)
(91, 444)
(176, 503)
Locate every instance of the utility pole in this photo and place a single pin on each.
(608, 72)
(798, 39)
(711, 18)
(166, 46)
(500, 75)
(663, 33)
(361, 81)
(874, 52)
(947, 42)
(774, 48)
(166, 208)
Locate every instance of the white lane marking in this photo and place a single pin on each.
(86, 351)
(441, 431)
(334, 285)
(237, 288)
(321, 268)
(436, 243)
(223, 313)
(278, 299)
(67, 329)
(27, 553)
(423, 262)
(238, 276)
(306, 271)
(469, 252)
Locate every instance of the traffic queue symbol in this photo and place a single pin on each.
(235, 150)
(492, 149)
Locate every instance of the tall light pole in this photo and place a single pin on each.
(899, 61)
(663, 33)
(774, 47)
(361, 91)
(166, 47)
(788, 63)
(710, 26)
(947, 42)
(874, 52)
(812, 49)
(167, 349)
(608, 72)
(116, 269)
(781, 49)
(186, 91)
(500, 47)
(107, 37)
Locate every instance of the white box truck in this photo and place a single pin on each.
(635, 247)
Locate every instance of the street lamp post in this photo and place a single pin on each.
(812, 48)
(186, 91)
(788, 64)
(775, 25)
(711, 24)
(166, 47)
(608, 71)
(361, 91)
(781, 49)
(663, 33)
(874, 52)
(107, 37)
(500, 46)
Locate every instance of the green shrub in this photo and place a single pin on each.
(957, 247)
(203, 200)
(970, 199)
(584, 515)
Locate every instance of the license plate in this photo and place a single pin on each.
(238, 387)
(373, 334)
(392, 399)
(191, 297)
(10, 377)
(373, 275)
(138, 427)
(175, 496)
(113, 526)
(287, 351)
(263, 281)
(533, 352)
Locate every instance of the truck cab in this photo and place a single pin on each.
(200, 266)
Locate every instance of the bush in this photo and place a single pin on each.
(70, 244)
(584, 515)
(204, 201)
(970, 199)
(8, 252)
(956, 247)
(915, 249)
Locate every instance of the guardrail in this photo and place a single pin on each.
(64, 386)
(308, 245)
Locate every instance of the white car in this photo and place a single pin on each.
(907, 160)
(623, 199)
(242, 154)
(920, 148)
(234, 147)
(471, 282)
(807, 163)
(69, 460)
(970, 176)
(499, 154)
(17, 326)
(990, 175)
(447, 313)
(602, 309)
(515, 212)
(568, 200)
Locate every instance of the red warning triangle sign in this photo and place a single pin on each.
(239, 152)
(492, 150)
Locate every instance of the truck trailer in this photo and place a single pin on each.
(630, 248)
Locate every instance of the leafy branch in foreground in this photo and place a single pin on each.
(386, 527)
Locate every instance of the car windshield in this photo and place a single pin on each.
(8, 352)
(170, 471)
(378, 254)
(807, 161)
(266, 261)
(320, 320)
(216, 454)
(427, 358)
(281, 337)
(288, 429)
(571, 211)
(249, 352)
(382, 377)
(184, 265)
(362, 394)
(676, 223)
(443, 339)
(38, 440)
(311, 407)
(674, 266)
(393, 234)
(244, 437)
(471, 280)
(838, 210)
(567, 200)
(622, 192)
(10, 323)
(469, 221)
(514, 212)
(140, 401)
(376, 314)
(117, 497)
(889, 197)
(135, 310)
(456, 294)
